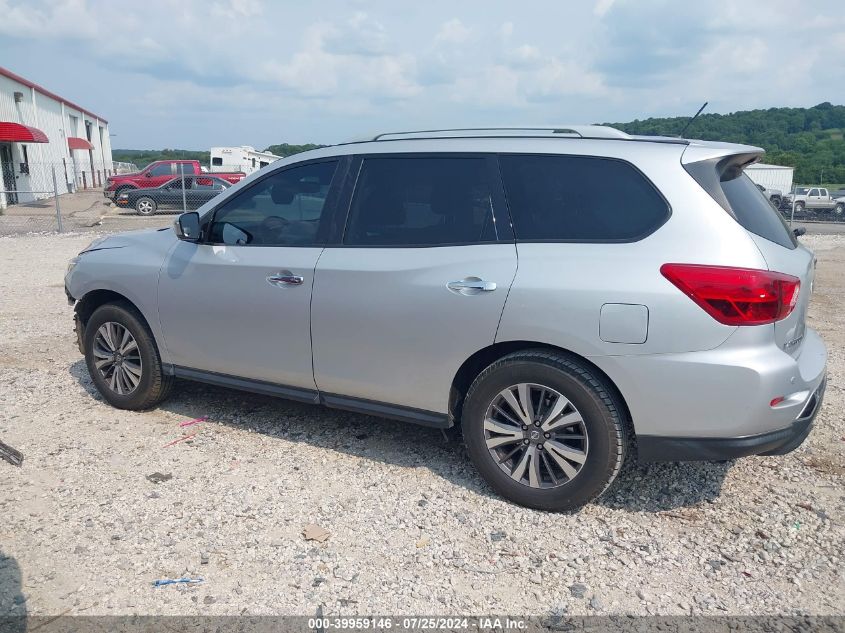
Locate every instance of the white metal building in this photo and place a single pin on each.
(772, 176)
(243, 158)
(41, 132)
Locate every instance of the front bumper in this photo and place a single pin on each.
(780, 442)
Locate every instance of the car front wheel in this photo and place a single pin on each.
(123, 359)
(544, 431)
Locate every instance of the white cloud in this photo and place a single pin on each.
(453, 32)
(237, 8)
(348, 66)
(602, 7)
(64, 18)
(322, 70)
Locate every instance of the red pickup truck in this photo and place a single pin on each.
(160, 172)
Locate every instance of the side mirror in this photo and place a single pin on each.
(187, 226)
(148, 175)
(799, 231)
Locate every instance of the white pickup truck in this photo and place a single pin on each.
(815, 199)
(774, 196)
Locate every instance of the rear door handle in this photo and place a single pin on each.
(284, 279)
(471, 286)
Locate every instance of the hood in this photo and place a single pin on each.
(133, 174)
(146, 237)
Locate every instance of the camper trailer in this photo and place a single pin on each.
(243, 158)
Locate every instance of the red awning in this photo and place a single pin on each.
(21, 133)
(78, 143)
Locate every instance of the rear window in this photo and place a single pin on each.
(580, 199)
(725, 180)
(754, 212)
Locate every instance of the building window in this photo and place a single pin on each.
(25, 163)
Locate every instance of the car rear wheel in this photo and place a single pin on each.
(544, 431)
(123, 359)
(145, 206)
(839, 209)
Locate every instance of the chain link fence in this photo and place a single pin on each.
(51, 196)
(813, 204)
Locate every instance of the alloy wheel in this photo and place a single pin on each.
(145, 207)
(117, 358)
(536, 435)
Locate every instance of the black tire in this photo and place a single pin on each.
(146, 206)
(776, 201)
(154, 385)
(799, 207)
(602, 415)
(839, 209)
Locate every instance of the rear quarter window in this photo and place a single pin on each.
(727, 183)
(580, 199)
(755, 213)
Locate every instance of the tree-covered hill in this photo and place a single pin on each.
(809, 139)
(143, 157)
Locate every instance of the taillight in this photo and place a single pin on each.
(736, 296)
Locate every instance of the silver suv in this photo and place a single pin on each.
(570, 297)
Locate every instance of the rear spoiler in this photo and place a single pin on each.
(712, 170)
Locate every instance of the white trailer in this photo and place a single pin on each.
(772, 176)
(243, 158)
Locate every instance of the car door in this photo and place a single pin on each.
(824, 199)
(201, 189)
(238, 303)
(417, 283)
(813, 199)
(170, 194)
(159, 174)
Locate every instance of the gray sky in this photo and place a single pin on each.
(197, 73)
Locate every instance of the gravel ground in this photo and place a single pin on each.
(413, 528)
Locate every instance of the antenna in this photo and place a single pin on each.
(695, 116)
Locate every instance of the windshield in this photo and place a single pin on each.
(802, 191)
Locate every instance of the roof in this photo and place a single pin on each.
(564, 139)
(52, 95)
(567, 130)
(767, 166)
(20, 133)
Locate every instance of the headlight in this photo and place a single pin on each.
(124, 196)
(72, 264)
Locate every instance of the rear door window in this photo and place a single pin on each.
(580, 199)
(421, 201)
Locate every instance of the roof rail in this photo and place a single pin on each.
(582, 131)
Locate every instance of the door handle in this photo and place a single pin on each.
(284, 279)
(471, 286)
